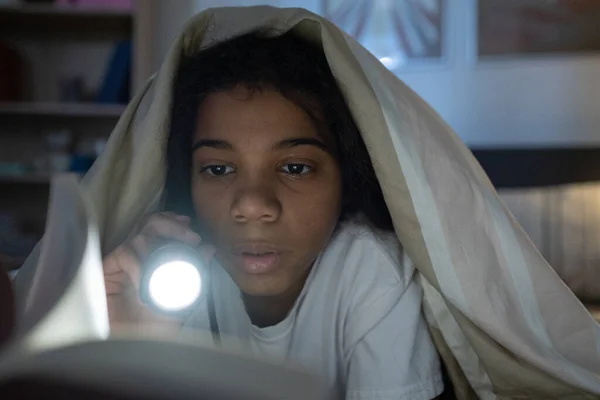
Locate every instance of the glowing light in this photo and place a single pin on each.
(175, 285)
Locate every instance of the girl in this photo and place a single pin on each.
(268, 175)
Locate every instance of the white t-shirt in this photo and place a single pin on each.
(357, 323)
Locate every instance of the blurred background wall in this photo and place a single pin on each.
(500, 101)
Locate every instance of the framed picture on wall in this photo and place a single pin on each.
(400, 33)
(517, 28)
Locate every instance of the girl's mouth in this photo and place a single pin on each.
(257, 258)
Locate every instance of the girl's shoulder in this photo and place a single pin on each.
(358, 253)
(363, 275)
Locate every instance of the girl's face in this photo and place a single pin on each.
(266, 189)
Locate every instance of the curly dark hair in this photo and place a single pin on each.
(297, 69)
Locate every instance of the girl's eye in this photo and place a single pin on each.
(217, 170)
(296, 169)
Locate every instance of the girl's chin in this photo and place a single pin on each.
(261, 286)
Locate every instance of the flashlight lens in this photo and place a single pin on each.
(174, 285)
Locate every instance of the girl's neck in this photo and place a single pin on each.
(267, 311)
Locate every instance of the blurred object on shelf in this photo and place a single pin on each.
(14, 169)
(85, 155)
(112, 4)
(15, 244)
(116, 83)
(58, 154)
(11, 78)
(81, 162)
(71, 89)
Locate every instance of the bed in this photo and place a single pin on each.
(555, 196)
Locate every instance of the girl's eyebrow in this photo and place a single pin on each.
(284, 144)
(303, 141)
(213, 143)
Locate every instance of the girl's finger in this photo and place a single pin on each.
(128, 262)
(143, 244)
(170, 228)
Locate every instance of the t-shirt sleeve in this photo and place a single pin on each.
(389, 352)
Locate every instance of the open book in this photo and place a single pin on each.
(62, 347)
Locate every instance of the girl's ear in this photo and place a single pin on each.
(7, 308)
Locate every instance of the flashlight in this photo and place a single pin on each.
(172, 279)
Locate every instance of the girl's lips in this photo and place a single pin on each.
(258, 264)
(257, 258)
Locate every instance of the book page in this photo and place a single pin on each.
(66, 299)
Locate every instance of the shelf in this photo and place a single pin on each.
(78, 23)
(54, 10)
(62, 110)
(43, 179)
(33, 178)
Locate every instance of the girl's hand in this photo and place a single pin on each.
(123, 273)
